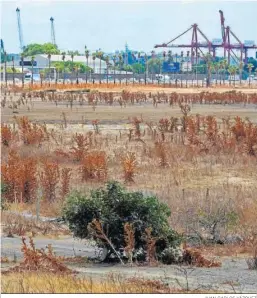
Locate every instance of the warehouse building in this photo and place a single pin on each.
(41, 62)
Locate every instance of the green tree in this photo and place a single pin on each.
(154, 65)
(113, 207)
(138, 68)
(67, 66)
(35, 49)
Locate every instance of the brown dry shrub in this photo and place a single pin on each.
(38, 260)
(193, 256)
(94, 166)
(30, 133)
(49, 178)
(7, 135)
(129, 165)
(19, 174)
(81, 147)
(65, 181)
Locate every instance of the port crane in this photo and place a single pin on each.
(196, 46)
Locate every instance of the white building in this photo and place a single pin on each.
(42, 62)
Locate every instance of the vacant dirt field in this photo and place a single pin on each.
(200, 159)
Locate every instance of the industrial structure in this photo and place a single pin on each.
(20, 29)
(52, 31)
(225, 43)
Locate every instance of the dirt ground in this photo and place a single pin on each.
(225, 176)
(232, 276)
(49, 113)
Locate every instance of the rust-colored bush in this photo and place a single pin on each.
(65, 181)
(6, 135)
(129, 237)
(194, 257)
(94, 166)
(129, 165)
(81, 147)
(49, 177)
(30, 133)
(19, 174)
(38, 260)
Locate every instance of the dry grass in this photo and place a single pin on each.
(15, 224)
(36, 283)
(230, 177)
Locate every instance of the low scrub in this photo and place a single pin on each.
(126, 225)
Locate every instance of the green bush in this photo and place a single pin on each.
(114, 206)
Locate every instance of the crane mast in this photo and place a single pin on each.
(222, 22)
(52, 31)
(20, 29)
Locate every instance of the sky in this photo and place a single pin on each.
(108, 25)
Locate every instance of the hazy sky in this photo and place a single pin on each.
(109, 24)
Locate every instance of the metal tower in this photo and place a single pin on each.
(52, 31)
(20, 29)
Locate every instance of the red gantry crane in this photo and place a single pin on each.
(226, 33)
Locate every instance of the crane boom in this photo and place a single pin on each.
(20, 29)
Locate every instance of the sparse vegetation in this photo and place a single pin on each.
(197, 158)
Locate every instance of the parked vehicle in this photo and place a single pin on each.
(28, 77)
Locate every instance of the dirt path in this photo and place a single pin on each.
(233, 276)
(65, 246)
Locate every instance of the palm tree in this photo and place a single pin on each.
(133, 73)
(216, 67)
(126, 59)
(120, 62)
(49, 64)
(235, 70)
(99, 56)
(114, 68)
(13, 70)
(72, 65)
(77, 74)
(94, 67)
(152, 57)
(32, 69)
(220, 64)
(208, 59)
(192, 61)
(63, 59)
(164, 56)
(169, 61)
(212, 70)
(230, 71)
(87, 55)
(187, 67)
(225, 66)
(107, 69)
(250, 67)
(241, 66)
(5, 68)
(182, 60)
(146, 58)
(22, 71)
(198, 62)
